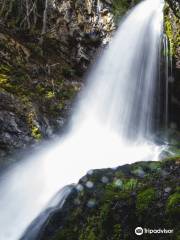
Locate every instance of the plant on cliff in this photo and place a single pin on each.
(173, 202)
(24, 14)
(120, 7)
(145, 199)
(172, 30)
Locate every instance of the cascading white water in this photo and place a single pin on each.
(166, 52)
(116, 107)
(56, 203)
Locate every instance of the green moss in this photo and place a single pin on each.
(155, 166)
(173, 204)
(40, 89)
(104, 210)
(120, 7)
(5, 69)
(3, 79)
(90, 236)
(145, 199)
(117, 232)
(138, 171)
(35, 132)
(130, 184)
(119, 174)
(92, 227)
(50, 94)
(172, 30)
(170, 160)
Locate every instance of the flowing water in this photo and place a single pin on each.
(112, 124)
(166, 60)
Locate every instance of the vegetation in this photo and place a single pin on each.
(120, 7)
(118, 209)
(145, 199)
(173, 202)
(38, 73)
(172, 30)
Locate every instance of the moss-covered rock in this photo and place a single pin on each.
(173, 204)
(112, 207)
(145, 199)
(172, 30)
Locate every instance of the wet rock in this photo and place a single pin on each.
(100, 211)
(167, 190)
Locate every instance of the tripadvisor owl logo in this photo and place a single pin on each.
(139, 231)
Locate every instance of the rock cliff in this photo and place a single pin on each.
(45, 49)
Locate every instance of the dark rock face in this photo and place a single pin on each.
(14, 133)
(172, 30)
(110, 204)
(175, 5)
(84, 25)
(41, 70)
(39, 80)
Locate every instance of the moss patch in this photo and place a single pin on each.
(120, 7)
(173, 204)
(172, 30)
(145, 199)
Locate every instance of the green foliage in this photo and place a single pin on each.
(172, 30)
(50, 94)
(130, 184)
(89, 232)
(173, 204)
(3, 80)
(35, 132)
(154, 166)
(104, 211)
(117, 232)
(120, 7)
(145, 199)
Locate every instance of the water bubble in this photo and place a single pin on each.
(90, 172)
(89, 184)
(104, 179)
(79, 187)
(118, 183)
(91, 203)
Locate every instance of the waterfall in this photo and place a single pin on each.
(56, 203)
(168, 77)
(112, 124)
(166, 63)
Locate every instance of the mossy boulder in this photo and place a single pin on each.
(111, 203)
